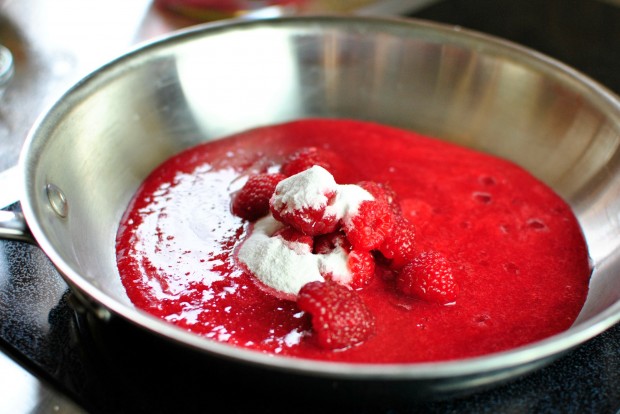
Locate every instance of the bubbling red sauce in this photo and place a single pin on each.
(515, 246)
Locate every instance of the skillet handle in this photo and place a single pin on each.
(9, 187)
(13, 227)
(12, 224)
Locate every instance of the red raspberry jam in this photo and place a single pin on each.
(513, 264)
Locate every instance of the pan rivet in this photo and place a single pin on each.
(57, 200)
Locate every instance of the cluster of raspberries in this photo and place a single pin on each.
(377, 233)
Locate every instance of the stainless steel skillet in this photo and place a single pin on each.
(86, 156)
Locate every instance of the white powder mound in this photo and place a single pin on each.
(286, 266)
(348, 199)
(308, 189)
(305, 190)
(285, 269)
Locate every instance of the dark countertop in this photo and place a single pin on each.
(38, 327)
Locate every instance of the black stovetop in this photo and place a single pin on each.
(39, 328)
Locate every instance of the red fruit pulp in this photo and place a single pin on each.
(516, 249)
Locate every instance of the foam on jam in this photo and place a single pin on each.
(515, 246)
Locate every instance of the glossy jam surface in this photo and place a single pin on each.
(516, 248)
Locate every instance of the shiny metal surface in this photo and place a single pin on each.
(6, 67)
(10, 182)
(29, 394)
(14, 227)
(102, 138)
(48, 56)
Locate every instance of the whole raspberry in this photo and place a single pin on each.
(295, 240)
(398, 246)
(340, 319)
(383, 191)
(308, 221)
(251, 202)
(370, 225)
(429, 277)
(302, 201)
(306, 158)
(361, 264)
